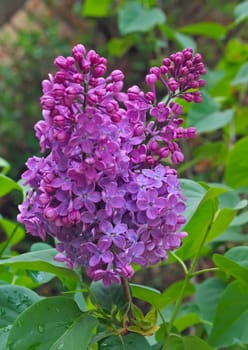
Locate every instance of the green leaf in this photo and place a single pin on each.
(4, 333)
(197, 228)
(176, 342)
(42, 261)
(237, 165)
(209, 290)
(13, 301)
(200, 111)
(241, 12)
(172, 293)
(234, 262)
(101, 9)
(134, 17)
(44, 324)
(231, 317)
(78, 336)
(232, 234)
(194, 193)
(117, 47)
(107, 297)
(187, 316)
(240, 219)
(40, 277)
(14, 232)
(4, 165)
(209, 29)
(231, 199)
(239, 254)
(7, 185)
(148, 294)
(214, 121)
(242, 75)
(129, 342)
(184, 40)
(221, 221)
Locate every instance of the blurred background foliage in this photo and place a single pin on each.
(133, 35)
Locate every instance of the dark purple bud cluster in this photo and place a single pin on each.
(102, 190)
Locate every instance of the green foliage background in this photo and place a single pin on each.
(208, 308)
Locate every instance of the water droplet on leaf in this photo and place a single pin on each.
(41, 328)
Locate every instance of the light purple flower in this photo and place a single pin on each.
(151, 203)
(102, 191)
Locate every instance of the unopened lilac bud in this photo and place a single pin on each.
(117, 86)
(166, 62)
(116, 117)
(99, 70)
(111, 106)
(127, 271)
(60, 136)
(188, 97)
(117, 75)
(177, 157)
(151, 79)
(47, 102)
(190, 76)
(44, 198)
(150, 96)
(199, 66)
(191, 132)
(155, 70)
(197, 58)
(181, 82)
(153, 146)
(178, 58)
(138, 130)
(164, 152)
(201, 82)
(180, 133)
(172, 57)
(93, 57)
(60, 77)
(70, 61)
(59, 120)
(133, 92)
(61, 62)
(173, 85)
(74, 216)
(164, 69)
(92, 99)
(150, 160)
(197, 97)
(78, 78)
(184, 70)
(189, 64)
(187, 53)
(50, 213)
(58, 89)
(171, 70)
(85, 67)
(78, 52)
(194, 84)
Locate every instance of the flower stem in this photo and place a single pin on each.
(189, 274)
(9, 239)
(211, 269)
(127, 291)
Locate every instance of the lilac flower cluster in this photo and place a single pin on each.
(103, 190)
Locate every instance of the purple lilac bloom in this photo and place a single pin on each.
(106, 190)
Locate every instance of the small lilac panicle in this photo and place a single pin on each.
(106, 190)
